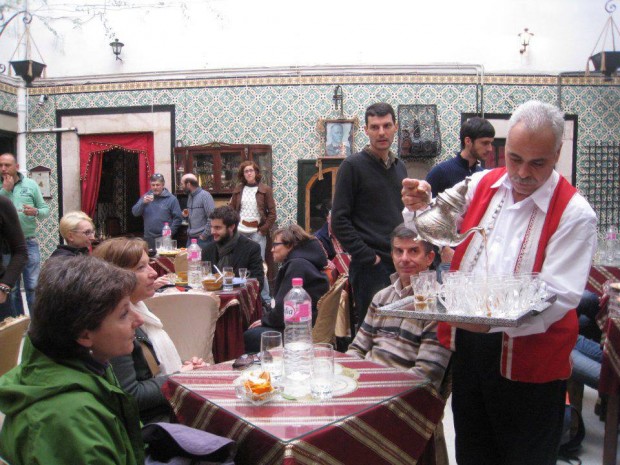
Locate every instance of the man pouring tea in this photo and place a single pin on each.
(509, 384)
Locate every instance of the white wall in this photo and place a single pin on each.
(213, 34)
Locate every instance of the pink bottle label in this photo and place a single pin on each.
(297, 313)
(193, 255)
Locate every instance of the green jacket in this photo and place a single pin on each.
(27, 192)
(60, 413)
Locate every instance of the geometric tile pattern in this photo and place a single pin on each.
(283, 112)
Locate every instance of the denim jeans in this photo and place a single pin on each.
(200, 242)
(30, 275)
(587, 358)
(262, 241)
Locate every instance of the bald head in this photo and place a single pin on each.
(189, 181)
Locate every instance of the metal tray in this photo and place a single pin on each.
(400, 309)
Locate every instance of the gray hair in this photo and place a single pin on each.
(403, 232)
(536, 115)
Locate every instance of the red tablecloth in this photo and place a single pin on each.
(599, 274)
(610, 368)
(388, 419)
(243, 306)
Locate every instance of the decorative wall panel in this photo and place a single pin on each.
(283, 112)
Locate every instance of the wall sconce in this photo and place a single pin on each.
(525, 36)
(116, 48)
(338, 99)
(42, 100)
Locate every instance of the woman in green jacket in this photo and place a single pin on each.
(63, 404)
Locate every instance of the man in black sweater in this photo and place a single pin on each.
(368, 206)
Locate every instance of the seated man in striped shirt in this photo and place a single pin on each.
(405, 343)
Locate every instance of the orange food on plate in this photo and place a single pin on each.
(259, 385)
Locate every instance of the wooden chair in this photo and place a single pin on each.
(11, 334)
(189, 320)
(325, 327)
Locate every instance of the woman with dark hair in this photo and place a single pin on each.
(63, 404)
(78, 231)
(301, 256)
(253, 200)
(132, 370)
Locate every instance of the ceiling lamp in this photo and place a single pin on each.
(607, 61)
(28, 70)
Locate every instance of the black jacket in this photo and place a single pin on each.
(245, 255)
(307, 262)
(69, 251)
(134, 376)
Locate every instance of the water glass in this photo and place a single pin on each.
(173, 244)
(229, 276)
(243, 275)
(322, 381)
(159, 244)
(206, 268)
(271, 354)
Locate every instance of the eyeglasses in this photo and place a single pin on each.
(251, 170)
(273, 244)
(88, 232)
(157, 177)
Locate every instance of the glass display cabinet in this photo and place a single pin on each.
(216, 164)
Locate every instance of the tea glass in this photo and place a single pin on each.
(425, 290)
(229, 276)
(243, 275)
(322, 381)
(271, 354)
(159, 244)
(206, 268)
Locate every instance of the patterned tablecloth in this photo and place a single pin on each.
(599, 274)
(388, 419)
(610, 368)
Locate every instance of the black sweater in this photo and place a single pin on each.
(306, 261)
(367, 206)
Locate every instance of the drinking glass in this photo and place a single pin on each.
(243, 275)
(173, 244)
(206, 268)
(425, 290)
(322, 381)
(271, 354)
(159, 244)
(229, 276)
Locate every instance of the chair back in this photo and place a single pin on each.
(180, 262)
(11, 334)
(189, 319)
(325, 326)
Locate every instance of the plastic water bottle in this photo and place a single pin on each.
(194, 264)
(297, 341)
(166, 235)
(611, 244)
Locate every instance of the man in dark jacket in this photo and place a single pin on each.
(158, 206)
(231, 248)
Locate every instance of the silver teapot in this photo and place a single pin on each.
(438, 224)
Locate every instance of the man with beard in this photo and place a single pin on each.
(229, 248)
(476, 144)
(158, 206)
(200, 204)
(509, 383)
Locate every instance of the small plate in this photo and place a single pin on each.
(168, 253)
(343, 385)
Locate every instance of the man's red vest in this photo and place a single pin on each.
(538, 358)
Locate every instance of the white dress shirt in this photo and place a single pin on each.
(568, 255)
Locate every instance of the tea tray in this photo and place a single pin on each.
(404, 308)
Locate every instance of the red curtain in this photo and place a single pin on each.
(92, 149)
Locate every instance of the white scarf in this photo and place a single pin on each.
(169, 359)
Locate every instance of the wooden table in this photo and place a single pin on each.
(240, 307)
(389, 419)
